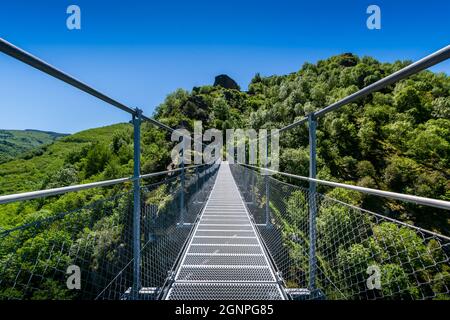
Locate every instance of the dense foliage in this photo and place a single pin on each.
(91, 155)
(20, 142)
(397, 139)
(412, 264)
(91, 223)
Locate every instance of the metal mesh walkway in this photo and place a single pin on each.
(225, 258)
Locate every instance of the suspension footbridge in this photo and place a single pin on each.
(222, 230)
(225, 258)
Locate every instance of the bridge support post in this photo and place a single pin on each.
(182, 189)
(312, 124)
(137, 204)
(266, 181)
(253, 182)
(197, 177)
(202, 178)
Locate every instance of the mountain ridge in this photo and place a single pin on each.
(15, 143)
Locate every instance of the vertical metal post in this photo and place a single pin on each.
(266, 180)
(197, 185)
(182, 185)
(202, 177)
(137, 204)
(197, 177)
(312, 124)
(253, 182)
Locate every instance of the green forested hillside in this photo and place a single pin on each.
(18, 142)
(397, 139)
(87, 156)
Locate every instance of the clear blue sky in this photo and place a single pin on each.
(139, 51)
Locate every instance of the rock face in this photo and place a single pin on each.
(348, 60)
(226, 82)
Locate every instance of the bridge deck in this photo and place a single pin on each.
(225, 258)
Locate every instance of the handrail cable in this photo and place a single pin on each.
(422, 64)
(442, 204)
(56, 191)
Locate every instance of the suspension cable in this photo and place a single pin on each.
(57, 191)
(386, 194)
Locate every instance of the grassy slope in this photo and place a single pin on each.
(23, 175)
(16, 142)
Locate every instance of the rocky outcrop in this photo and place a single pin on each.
(226, 82)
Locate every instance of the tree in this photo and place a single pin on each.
(441, 107)
(66, 176)
(408, 99)
(431, 142)
(97, 159)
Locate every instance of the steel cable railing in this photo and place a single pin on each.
(98, 239)
(312, 121)
(166, 228)
(137, 118)
(436, 203)
(413, 263)
(304, 241)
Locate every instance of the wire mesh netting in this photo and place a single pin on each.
(165, 228)
(38, 257)
(359, 254)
